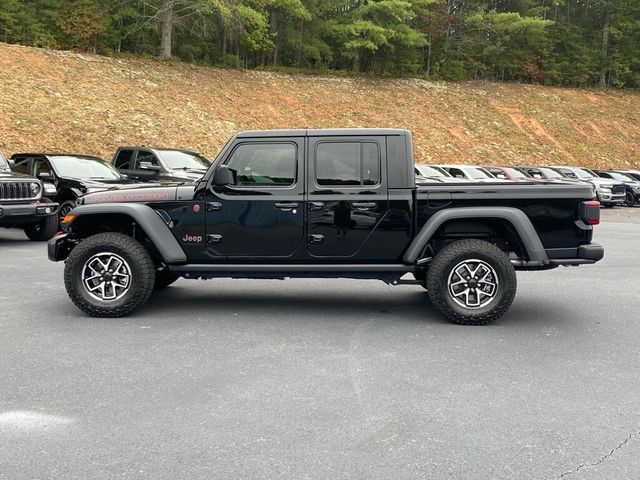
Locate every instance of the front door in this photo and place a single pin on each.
(147, 167)
(262, 215)
(347, 196)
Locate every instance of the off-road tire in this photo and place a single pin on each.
(164, 278)
(629, 200)
(447, 259)
(43, 230)
(143, 274)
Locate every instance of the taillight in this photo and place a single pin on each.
(590, 212)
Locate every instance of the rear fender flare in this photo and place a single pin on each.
(517, 218)
(148, 220)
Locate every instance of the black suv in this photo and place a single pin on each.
(160, 165)
(22, 206)
(71, 175)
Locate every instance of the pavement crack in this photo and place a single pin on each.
(602, 459)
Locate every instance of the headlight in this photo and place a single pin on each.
(35, 188)
(605, 189)
(636, 188)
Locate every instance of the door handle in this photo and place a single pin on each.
(214, 206)
(315, 206)
(364, 205)
(315, 239)
(286, 206)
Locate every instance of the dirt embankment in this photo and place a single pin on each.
(62, 101)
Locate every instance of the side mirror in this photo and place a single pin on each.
(46, 177)
(223, 176)
(12, 163)
(149, 166)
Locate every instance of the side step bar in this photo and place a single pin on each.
(290, 268)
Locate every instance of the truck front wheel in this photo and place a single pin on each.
(109, 275)
(472, 282)
(44, 230)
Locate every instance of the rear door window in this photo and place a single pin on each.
(347, 164)
(456, 172)
(123, 160)
(21, 165)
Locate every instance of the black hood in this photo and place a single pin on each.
(140, 193)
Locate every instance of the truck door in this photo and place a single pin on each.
(347, 195)
(262, 215)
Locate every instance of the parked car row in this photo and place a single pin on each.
(60, 179)
(611, 187)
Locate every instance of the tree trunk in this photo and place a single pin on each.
(604, 66)
(276, 43)
(166, 29)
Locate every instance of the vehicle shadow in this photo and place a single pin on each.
(408, 305)
(9, 237)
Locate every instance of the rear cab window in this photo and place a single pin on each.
(348, 163)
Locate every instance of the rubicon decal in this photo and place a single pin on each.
(192, 239)
(129, 197)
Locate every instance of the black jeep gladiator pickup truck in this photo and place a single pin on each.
(324, 203)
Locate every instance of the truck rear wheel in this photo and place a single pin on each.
(472, 282)
(109, 275)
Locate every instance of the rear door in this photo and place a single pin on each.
(347, 195)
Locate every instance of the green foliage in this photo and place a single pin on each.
(579, 43)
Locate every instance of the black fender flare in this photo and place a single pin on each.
(517, 218)
(147, 218)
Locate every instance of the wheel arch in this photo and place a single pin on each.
(509, 223)
(130, 219)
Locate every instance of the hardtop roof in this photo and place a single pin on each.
(324, 132)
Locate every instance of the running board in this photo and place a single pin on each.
(290, 268)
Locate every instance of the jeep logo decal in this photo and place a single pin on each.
(192, 239)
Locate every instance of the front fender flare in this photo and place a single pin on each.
(517, 218)
(146, 217)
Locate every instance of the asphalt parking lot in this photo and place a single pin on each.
(323, 379)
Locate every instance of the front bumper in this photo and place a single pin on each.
(59, 247)
(25, 214)
(587, 254)
(610, 198)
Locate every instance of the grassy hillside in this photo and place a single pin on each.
(62, 101)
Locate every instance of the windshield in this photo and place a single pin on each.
(176, 160)
(584, 173)
(549, 173)
(84, 168)
(427, 171)
(478, 173)
(517, 173)
(621, 177)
